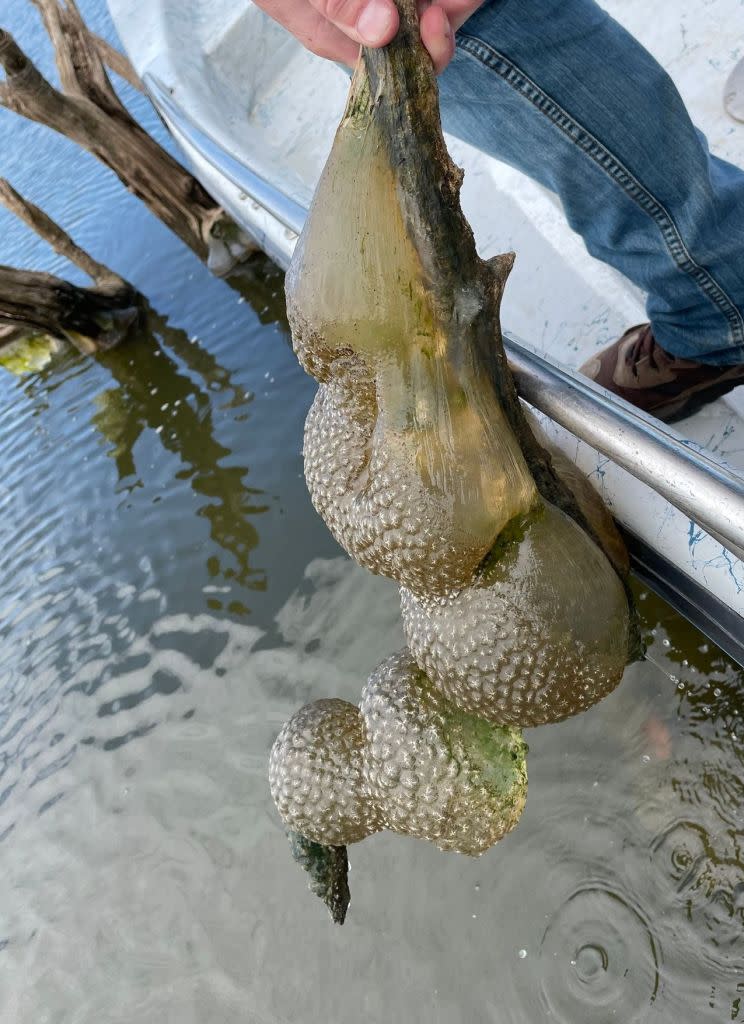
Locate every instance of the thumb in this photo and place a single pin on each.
(369, 22)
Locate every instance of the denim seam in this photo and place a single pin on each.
(521, 83)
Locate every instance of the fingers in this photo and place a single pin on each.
(314, 31)
(437, 36)
(370, 22)
(336, 28)
(439, 22)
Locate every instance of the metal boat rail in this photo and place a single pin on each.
(702, 489)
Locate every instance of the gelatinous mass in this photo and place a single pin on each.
(419, 458)
(407, 759)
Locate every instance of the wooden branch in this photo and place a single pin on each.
(117, 62)
(115, 138)
(91, 318)
(90, 113)
(81, 70)
(59, 240)
(25, 90)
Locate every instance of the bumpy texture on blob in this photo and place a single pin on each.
(364, 484)
(436, 772)
(316, 774)
(515, 647)
(408, 761)
(408, 457)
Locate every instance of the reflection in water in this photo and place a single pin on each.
(81, 611)
(697, 811)
(180, 411)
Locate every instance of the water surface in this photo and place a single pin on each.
(168, 598)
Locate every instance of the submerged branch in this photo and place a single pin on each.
(91, 318)
(89, 112)
(59, 240)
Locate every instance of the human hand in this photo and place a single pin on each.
(336, 28)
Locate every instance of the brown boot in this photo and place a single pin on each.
(639, 370)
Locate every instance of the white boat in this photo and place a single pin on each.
(255, 115)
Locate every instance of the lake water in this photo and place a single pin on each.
(168, 597)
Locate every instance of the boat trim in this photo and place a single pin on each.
(699, 487)
(288, 212)
(715, 619)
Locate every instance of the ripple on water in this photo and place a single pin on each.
(599, 960)
(705, 883)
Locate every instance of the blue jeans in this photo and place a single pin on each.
(559, 90)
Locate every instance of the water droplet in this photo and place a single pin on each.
(522, 954)
(666, 642)
(646, 759)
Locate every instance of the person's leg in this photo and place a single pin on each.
(558, 89)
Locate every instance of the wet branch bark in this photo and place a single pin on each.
(59, 240)
(88, 111)
(91, 318)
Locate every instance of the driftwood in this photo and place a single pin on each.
(116, 62)
(92, 318)
(88, 111)
(59, 240)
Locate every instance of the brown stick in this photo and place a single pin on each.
(81, 68)
(117, 62)
(59, 240)
(90, 113)
(91, 318)
(62, 24)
